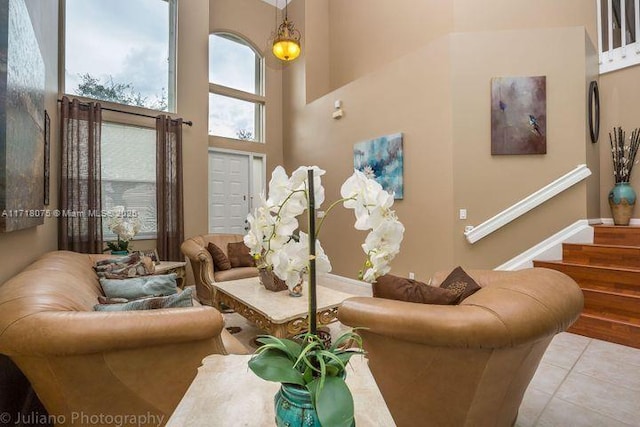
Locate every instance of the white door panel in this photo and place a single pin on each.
(228, 192)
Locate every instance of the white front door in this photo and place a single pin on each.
(228, 192)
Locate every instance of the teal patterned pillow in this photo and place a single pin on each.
(183, 299)
(138, 287)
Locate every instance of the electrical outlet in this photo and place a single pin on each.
(320, 214)
(463, 214)
(412, 275)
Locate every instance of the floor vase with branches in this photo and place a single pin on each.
(622, 198)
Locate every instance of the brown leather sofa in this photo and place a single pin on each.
(204, 273)
(467, 364)
(101, 365)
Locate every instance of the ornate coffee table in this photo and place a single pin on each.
(278, 313)
(177, 267)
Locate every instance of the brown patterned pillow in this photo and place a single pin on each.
(459, 281)
(132, 265)
(409, 290)
(220, 260)
(239, 255)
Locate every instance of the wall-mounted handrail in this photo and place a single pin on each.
(525, 205)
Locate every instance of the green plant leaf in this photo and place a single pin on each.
(351, 335)
(333, 402)
(289, 347)
(273, 365)
(344, 357)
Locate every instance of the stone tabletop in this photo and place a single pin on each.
(168, 265)
(280, 307)
(225, 390)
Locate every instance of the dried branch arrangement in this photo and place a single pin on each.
(623, 155)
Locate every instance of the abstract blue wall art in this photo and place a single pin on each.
(22, 86)
(382, 159)
(519, 115)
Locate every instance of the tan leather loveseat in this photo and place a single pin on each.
(468, 364)
(89, 367)
(204, 274)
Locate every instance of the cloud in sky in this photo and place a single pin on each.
(126, 40)
(129, 42)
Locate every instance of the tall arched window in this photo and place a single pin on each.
(236, 89)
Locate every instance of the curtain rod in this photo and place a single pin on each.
(186, 122)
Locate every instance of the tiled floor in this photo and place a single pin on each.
(584, 382)
(581, 382)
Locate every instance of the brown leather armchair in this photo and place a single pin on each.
(99, 365)
(204, 273)
(467, 364)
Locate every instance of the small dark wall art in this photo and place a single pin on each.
(47, 155)
(519, 115)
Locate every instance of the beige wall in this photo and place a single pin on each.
(474, 15)
(436, 91)
(619, 94)
(377, 105)
(19, 248)
(486, 184)
(366, 34)
(193, 104)
(254, 20)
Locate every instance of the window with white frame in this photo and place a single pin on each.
(128, 168)
(236, 92)
(121, 51)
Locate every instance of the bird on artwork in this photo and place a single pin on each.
(533, 123)
(502, 106)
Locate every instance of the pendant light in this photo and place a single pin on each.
(286, 43)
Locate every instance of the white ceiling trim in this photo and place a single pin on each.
(280, 3)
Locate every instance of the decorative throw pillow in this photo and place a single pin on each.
(459, 281)
(220, 260)
(239, 255)
(409, 290)
(183, 299)
(147, 286)
(121, 268)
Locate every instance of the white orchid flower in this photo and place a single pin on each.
(273, 224)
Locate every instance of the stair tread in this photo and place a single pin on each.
(617, 235)
(608, 291)
(588, 266)
(610, 317)
(617, 227)
(603, 245)
(608, 272)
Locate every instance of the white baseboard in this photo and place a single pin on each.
(609, 221)
(551, 248)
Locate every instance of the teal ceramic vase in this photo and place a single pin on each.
(121, 253)
(622, 199)
(293, 407)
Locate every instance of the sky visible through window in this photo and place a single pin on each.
(233, 64)
(123, 41)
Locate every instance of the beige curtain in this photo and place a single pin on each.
(169, 188)
(80, 192)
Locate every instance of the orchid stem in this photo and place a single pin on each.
(312, 255)
(333, 205)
